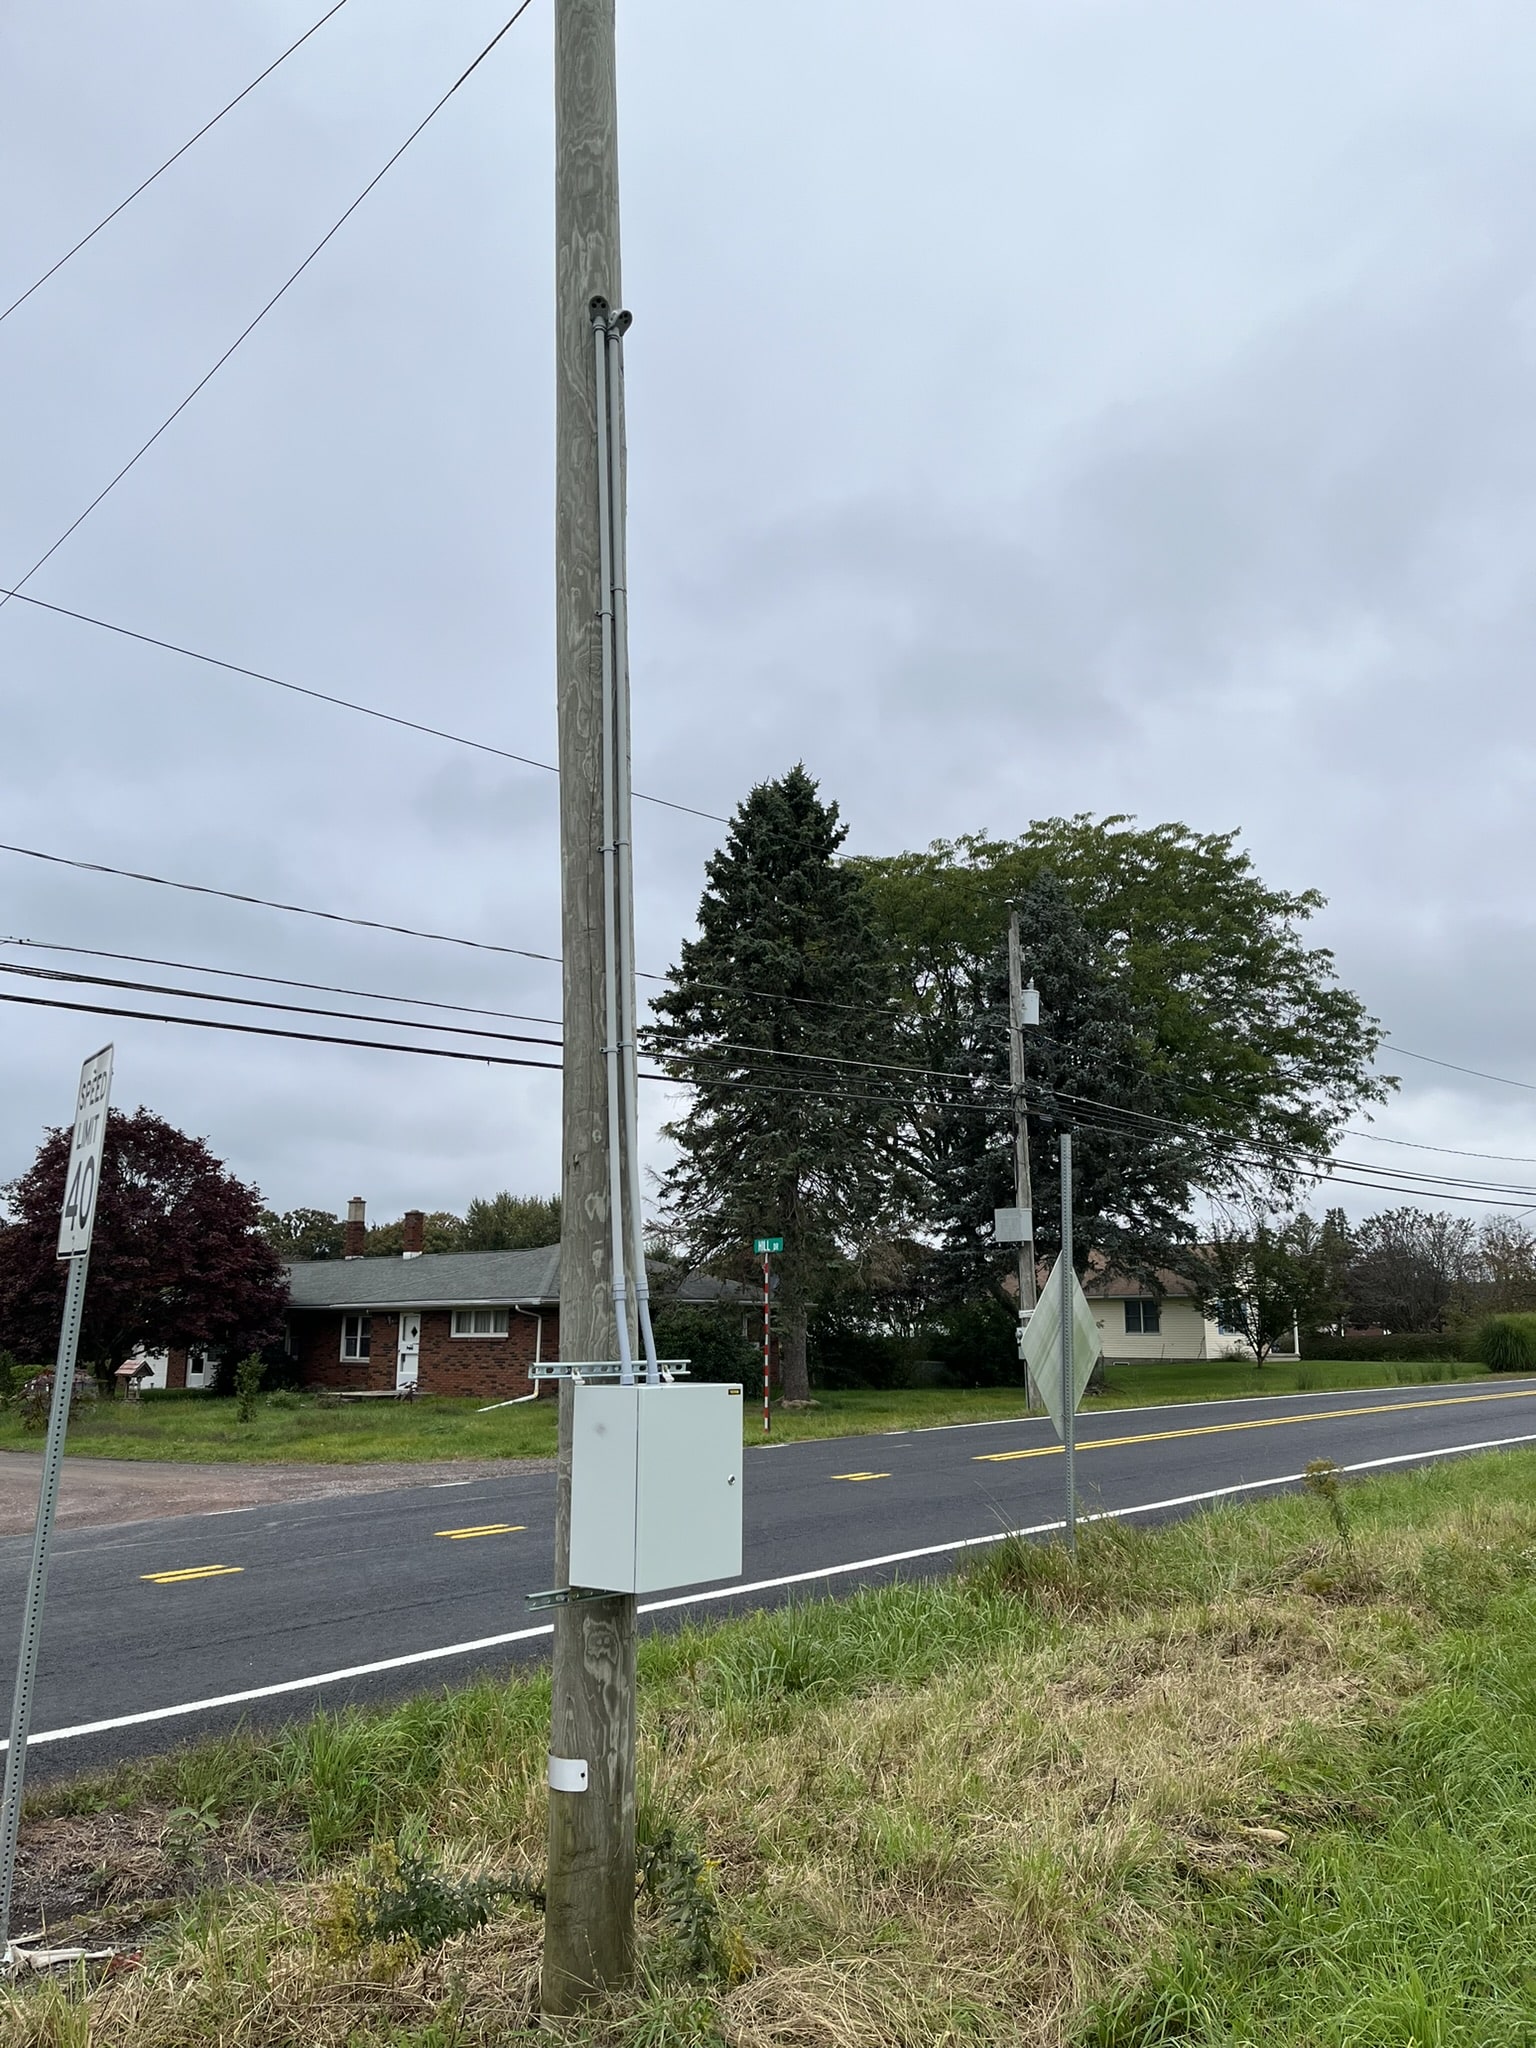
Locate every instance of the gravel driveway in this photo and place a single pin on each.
(100, 1491)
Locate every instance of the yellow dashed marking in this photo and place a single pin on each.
(856, 1476)
(195, 1571)
(485, 1529)
(1162, 1436)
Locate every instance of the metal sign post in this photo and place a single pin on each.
(1068, 1370)
(1062, 1342)
(82, 1179)
(767, 1246)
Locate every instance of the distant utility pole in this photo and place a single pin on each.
(589, 1914)
(1023, 1008)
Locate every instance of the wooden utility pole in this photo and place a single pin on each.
(589, 1915)
(1022, 1195)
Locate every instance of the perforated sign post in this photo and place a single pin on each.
(82, 1181)
(1062, 1342)
(766, 1247)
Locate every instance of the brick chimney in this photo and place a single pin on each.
(354, 1237)
(412, 1229)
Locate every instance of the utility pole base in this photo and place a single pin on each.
(589, 1912)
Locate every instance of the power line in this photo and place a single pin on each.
(553, 959)
(512, 1060)
(1476, 1072)
(324, 988)
(1451, 1151)
(371, 924)
(426, 1002)
(174, 157)
(257, 675)
(1406, 1181)
(252, 325)
(97, 867)
(436, 1052)
(148, 988)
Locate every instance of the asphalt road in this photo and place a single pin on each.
(159, 1632)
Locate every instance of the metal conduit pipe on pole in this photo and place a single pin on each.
(611, 1050)
(628, 1044)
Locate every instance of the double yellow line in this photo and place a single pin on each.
(484, 1529)
(1162, 1436)
(196, 1571)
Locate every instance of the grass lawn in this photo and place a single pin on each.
(1267, 1776)
(203, 1429)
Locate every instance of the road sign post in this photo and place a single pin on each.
(1062, 1343)
(767, 1246)
(1068, 1373)
(82, 1180)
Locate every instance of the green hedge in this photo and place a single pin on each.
(1423, 1345)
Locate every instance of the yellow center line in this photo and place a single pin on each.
(856, 1476)
(485, 1529)
(1161, 1436)
(196, 1571)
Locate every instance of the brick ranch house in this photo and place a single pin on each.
(467, 1323)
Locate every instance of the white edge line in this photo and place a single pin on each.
(826, 1571)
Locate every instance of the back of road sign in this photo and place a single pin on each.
(655, 1487)
(1042, 1345)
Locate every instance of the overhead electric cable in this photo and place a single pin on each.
(1476, 1072)
(403, 931)
(322, 988)
(175, 157)
(251, 326)
(97, 867)
(256, 675)
(512, 1060)
(197, 995)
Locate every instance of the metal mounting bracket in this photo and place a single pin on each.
(567, 1596)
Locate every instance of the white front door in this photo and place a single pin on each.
(408, 1355)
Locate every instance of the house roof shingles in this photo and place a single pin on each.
(465, 1280)
(435, 1280)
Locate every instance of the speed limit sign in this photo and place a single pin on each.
(84, 1175)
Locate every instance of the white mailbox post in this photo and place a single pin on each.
(655, 1487)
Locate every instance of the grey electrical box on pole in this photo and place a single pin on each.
(77, 1218)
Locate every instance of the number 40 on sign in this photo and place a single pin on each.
(84, 1172)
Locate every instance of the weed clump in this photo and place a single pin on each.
(681, 1881)
(405, 1895)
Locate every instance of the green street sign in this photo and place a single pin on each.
(767, 1244)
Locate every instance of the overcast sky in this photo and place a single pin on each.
(1033, 408)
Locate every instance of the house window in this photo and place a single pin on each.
(1229, 1320)
(1143, 1318)
(480, 1322)
(356, 1336)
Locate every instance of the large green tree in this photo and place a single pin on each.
(1131, 1173)
(1227, 1025)
(787, 978)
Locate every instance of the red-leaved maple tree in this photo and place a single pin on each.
(176, 1258)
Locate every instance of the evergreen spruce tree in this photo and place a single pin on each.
(786, 976)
